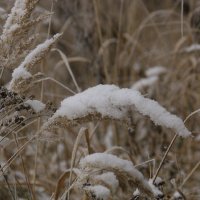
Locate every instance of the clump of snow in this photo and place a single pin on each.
(156, 191)
(144, 82)
(108, 161)
(99, 191)
(152, 75)
(36, 105)
(111, 101)
(155, 71)
(136, 193)
(158, 181)
(20, 72)
(177, 195)
(193, 47)
(102, 160)
(110, 179)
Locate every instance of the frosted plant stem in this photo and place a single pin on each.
(165, 155)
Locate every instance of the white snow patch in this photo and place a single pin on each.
(144, 82)
(155, 71)
(136, 193)
(110, 179)
(193, 47)
(177, 195)
(108, 161)
(36, 105)
(158, 181)
(20, 72)
(99, 191)
(111, 101)
(156, 191)
(152, 77)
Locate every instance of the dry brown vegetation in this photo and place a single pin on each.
(51, 50)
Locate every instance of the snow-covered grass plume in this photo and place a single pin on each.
(112, 102)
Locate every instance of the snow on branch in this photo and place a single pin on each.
(109, 101)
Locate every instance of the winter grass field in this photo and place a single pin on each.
(99, 100)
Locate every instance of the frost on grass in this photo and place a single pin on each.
(109, 101)
(36, 105)
(113, 163)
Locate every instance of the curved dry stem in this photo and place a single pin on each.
(55, 81)
(65, 60)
